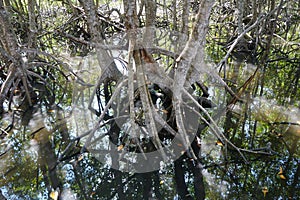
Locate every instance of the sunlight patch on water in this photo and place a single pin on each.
(68, 194)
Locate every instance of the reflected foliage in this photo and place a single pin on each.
(54, 90)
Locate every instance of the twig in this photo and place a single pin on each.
(214, 126)
(91, 132)
(224, 60)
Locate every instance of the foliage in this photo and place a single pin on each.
(52, 55)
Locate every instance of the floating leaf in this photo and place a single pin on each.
(280, 135)
(93, 193)
(165, 111)
(265, 190)
(120, 147)
(17, 92)
(280, 174)
(80, 157)
(54, 195)
(282, 177)
(219, 143)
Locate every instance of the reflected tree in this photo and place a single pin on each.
(95, 95)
